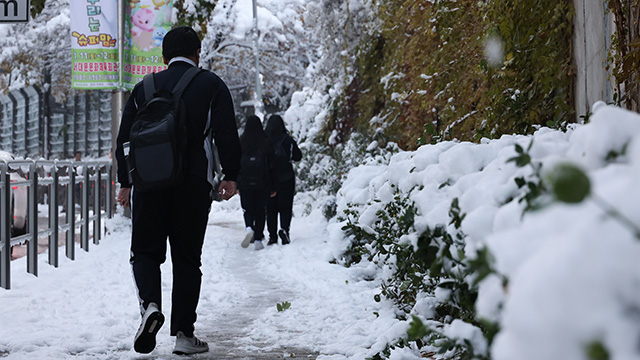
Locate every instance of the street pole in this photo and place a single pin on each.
(118, 98)
(258, 105)
(117, 103)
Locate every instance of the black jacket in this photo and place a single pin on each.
(292, 152)
(208, 103)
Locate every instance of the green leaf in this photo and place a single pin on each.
(283, 306)
(530, 145)
(519, 149)
(597, 351)
(416, 330)
(570, 184)
(521, 160)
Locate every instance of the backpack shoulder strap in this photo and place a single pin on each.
(148, 82)
(185, 80)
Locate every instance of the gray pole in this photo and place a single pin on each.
(120, 92)
(118, 100)
(258, 100)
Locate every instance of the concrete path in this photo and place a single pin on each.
(235, 295)
(231, 325)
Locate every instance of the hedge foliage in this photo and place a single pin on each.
(424, 77)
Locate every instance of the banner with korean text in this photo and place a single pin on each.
(146, 24)
(94, 48)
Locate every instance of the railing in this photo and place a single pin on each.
(33, 124)
(88, 185)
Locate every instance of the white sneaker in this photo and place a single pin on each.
(189, 345)
(258, 245)
(145, 339)
(247, 238)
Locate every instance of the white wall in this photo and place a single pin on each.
(592, 33)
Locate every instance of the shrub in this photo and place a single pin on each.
(437, 264)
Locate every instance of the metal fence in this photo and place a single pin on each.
(78, 193)
(31, 126)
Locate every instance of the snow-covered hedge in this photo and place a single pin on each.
(484, 262)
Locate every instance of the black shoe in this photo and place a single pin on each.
(273, 241)
(284, 236)
(145, 340)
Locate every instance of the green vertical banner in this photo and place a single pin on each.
(94, 48)
(146, 24)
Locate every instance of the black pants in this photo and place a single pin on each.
(181, 214)
(281, 204)
(254, 203)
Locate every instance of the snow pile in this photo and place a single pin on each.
(573, 270)
(566, 277)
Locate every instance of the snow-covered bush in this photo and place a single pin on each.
(326, 162)
(523, 247)
(34, 53)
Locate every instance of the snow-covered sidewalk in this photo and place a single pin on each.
(87, 308)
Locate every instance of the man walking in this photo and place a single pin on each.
(179, 212)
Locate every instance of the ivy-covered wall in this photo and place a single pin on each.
(424, 76)
(624, 55)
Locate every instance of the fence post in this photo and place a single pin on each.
(5, 231)
(85, 208)
(32, 220)
(25, 125)
(97, 231)
(108, 193)
(53, 217)
(14, 120)
(71, 213)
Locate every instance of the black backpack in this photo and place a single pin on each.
(282, 164)
(159, 137)
(253, 169)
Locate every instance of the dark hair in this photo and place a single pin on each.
(180, 41)
(253, 134)
(275, 126)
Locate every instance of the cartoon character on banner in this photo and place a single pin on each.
(143, 22)
(158, 3)
(146, 4)
(158, 36)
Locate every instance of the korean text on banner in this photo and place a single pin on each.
(94, 48)
(146, 24)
